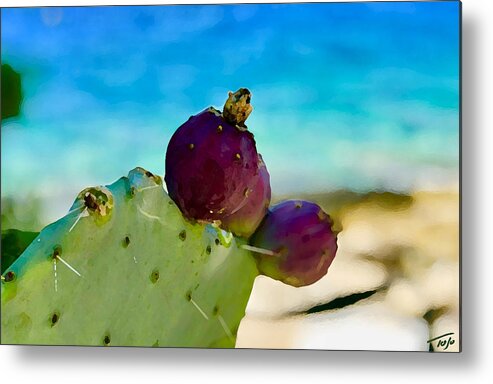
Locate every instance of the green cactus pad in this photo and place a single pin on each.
(147, 276)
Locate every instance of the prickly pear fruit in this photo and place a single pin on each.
(295, 243)
(247, 218)
(124, 267)
(212, 164)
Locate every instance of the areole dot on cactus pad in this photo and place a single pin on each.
(212, 167)
(295, 243)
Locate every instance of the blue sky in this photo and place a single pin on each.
(346, 95)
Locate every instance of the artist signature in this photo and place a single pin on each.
(443, 341)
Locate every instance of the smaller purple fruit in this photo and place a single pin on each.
(299, 236)
(245, 220)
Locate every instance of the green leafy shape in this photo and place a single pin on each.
(148, 277)
(14, 242)
(11, 92)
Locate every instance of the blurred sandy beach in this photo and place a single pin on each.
(393, 285)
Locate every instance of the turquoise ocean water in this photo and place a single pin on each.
(346, 95)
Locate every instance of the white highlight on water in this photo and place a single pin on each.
(68, 265)
(258, 250)
(225, 327)
(199, 309)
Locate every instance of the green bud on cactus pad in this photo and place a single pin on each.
(124, 267)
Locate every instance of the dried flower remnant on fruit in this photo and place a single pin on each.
(237, 107)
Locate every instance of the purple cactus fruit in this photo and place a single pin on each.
(295, 243)
(244, 221)
(212, 164)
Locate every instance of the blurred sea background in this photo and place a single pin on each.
(356, 107)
